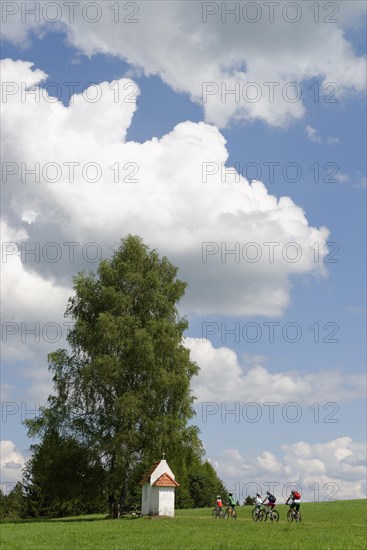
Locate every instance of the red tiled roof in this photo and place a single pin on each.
(146, 476)
(165, 480)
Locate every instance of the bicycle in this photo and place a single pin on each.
(218, 513)
(292, 514)
(259, 514)
(230, 513)
(272, 514)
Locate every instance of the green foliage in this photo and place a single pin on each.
(204, 486)
(13, 505)
(63, 478)
(122, 393)
(2, 504)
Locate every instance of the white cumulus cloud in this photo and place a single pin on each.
(11, 462)
(91, 186)
(250, 65)
(334, 470)
(312, 134)
(223, 379)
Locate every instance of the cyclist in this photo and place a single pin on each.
(231, 509)
(219, 503)
(271, 500)
(258, 502)
(231, 501)
(295, 497)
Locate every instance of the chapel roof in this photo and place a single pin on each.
(146, 476)
(165, 480)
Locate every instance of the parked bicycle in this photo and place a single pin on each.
(218, 512)
(293, 515)
(231, 513)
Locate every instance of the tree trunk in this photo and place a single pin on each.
(123, 493)
(111, 505)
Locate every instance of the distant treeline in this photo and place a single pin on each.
(58, 497)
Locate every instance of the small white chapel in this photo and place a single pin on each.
(158, 495)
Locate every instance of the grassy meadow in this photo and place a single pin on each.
(339, 525)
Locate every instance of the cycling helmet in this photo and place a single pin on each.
(293, 492)
(230, 494)
(268, 492)
(218, 496)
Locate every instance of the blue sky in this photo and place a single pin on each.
(176, 211)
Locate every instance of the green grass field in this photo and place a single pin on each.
(327, 525)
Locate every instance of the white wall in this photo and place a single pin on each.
(145, 499)
(154, 503)
(166, 501)
(150, 505)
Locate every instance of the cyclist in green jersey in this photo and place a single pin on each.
(231, 501)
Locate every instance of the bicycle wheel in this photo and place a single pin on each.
(298, 517)
(255, 515)
(262, 515)
(234, 514)
(214, 513)
(274, 516)
(290, 516)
